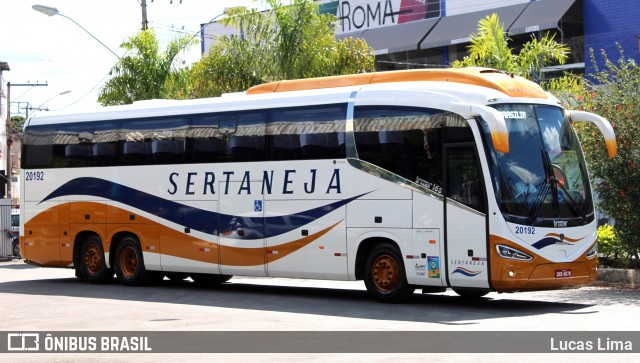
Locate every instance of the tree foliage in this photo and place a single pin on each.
(490, 48)
(288, 42)
(145, 72)
(614, 96)
(17, 123)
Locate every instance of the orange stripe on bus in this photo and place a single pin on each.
(154, 237)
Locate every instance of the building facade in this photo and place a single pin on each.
(434, 33)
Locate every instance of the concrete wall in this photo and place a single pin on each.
(619, 276)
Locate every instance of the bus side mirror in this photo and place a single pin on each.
(603, 125)
(497, 126)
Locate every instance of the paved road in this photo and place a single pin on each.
(39, 299)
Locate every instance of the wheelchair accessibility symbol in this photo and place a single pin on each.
(257, 206)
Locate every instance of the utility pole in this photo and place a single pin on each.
(143, 4)
(8, 131)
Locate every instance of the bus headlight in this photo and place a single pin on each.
(512, 253)
(593, 251)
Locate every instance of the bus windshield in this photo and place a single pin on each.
(543, 180)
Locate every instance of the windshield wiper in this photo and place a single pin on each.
(537, 205)
(547, 184)
(551, 179)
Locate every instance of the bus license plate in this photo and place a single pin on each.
(563, 273)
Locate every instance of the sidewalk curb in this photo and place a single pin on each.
(619, 275)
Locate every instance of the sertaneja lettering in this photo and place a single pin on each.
(285, 182)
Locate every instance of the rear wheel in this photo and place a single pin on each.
(385, 276)
(92, 266)
(210, 279)
(16, 248)
(129, 264)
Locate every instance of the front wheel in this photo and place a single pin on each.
(129, 264)
(92, 266)
(385, 276)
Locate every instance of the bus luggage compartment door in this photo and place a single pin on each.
(241, 229)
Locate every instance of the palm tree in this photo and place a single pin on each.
(490, 48)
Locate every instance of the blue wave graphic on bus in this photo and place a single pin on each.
(195, 218)
(545, 242)
(464, 271)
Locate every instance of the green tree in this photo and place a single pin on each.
(146, 73)
(615, 98)
(490, 48)
(288, 42)
(17, 122)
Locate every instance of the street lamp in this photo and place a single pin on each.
(52, 97)
(51, 11)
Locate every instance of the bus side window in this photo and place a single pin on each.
(166, 151)
(37, 147)
(247, 143)
(77, 155)
(464, 180)
(153, 141)
(207, 149)
(403, 141)
(136, 153)
(285, 147)
(103, 153)
(205, 141)
(306, 133)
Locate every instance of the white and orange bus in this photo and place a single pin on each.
(470, 179)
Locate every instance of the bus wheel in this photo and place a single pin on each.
(176, 276)
(385, 277)
(16, 248)
(470, 293)
(210, 279)
(92, 266)
(129, 264)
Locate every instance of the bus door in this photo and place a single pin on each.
(241, 229)
(304, 246)
(465, 218)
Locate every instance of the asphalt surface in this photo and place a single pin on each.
(47, 299)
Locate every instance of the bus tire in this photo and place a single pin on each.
(385, 276)
(129, 264)
(92, 265)
(15, 248)
(210, 279)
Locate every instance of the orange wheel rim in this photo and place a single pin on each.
(93, 259)
(128, 261)
(385, 273)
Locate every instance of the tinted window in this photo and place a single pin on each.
(152, 141)
(404, 141)
(307, 133)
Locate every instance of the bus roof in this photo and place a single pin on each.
(513, 86)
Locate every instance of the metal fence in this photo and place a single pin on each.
(9, 230)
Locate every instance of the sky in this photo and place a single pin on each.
(52, 50)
